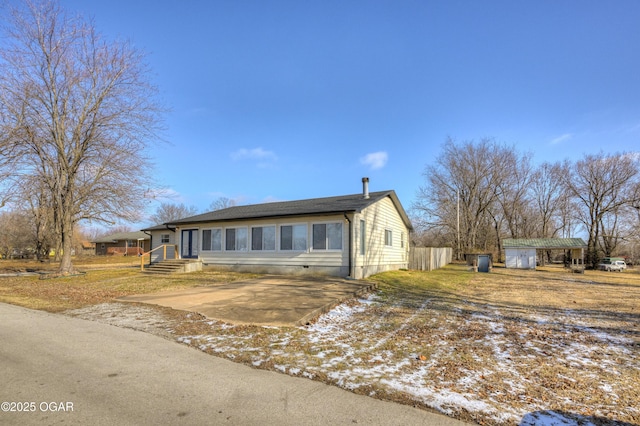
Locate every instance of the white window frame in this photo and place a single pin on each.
(275, 238)
(212, 248)
(327, 241)
(388, 238)
(165, 238)
(293, 226)
(237, 239)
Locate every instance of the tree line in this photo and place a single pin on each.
(477, 193)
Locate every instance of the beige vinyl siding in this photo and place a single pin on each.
(380, 218)
(328, 261)
(156, 241)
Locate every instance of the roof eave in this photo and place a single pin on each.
(274, 216)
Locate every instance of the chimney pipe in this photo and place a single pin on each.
(365, 187)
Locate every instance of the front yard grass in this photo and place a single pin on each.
(509, 347)
(102, 280)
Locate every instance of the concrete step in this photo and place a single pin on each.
(167, 267)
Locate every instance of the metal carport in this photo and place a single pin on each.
(520, 253)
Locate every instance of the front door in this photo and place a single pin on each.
(189, 243)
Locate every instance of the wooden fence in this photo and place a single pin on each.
(429, 258)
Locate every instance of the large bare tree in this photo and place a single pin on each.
(222, 203)
(464, 179)
(166, 212)
(78, 114)
(604, 186)
(550, 198)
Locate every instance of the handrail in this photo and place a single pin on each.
(164, 254)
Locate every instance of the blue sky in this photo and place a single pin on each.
(284, 100)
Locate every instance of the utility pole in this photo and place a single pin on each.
(458, 223)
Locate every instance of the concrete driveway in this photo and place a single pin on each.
(268, 300)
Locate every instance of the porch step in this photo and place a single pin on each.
(174, 266)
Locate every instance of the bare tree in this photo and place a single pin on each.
(549, 198)
(604, 187)
(512, 186)
(77, 112)
(167, 212)
(222, 203)
(14, 236)
(464, 178)
(38, 202)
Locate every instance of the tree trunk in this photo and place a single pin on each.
(66, 267)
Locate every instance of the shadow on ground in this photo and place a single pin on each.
(552, 418)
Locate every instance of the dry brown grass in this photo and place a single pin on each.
(103, 279)
(509, 347)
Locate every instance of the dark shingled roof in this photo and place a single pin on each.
(311, 207)
(120, 236)
(544, 243)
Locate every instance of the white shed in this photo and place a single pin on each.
(521, 253)
(520, 258)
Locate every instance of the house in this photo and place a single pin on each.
(123, 244)
(349, 236)
(86, 248)
(521, 253)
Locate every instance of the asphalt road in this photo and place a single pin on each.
(56, 369)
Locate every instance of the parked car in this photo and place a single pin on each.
(616, 265)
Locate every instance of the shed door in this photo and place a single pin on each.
(483, 263)
(523, 259)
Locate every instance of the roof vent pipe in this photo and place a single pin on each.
(365, 187)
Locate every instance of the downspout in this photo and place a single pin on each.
(351, 274)
(150, 242)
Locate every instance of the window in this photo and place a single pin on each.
(236, 239)
(327, 236)
(363, 234)
(293, 237)
(164, 239)
(402, 239)
(388, 240)
(212, 239)
(263, 238)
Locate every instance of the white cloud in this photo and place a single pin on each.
(375, 160)
(253, 154)
(561, 138)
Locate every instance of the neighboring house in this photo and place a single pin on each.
(87, 248)
(350, 236)
(521, 253)
(123, 244)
